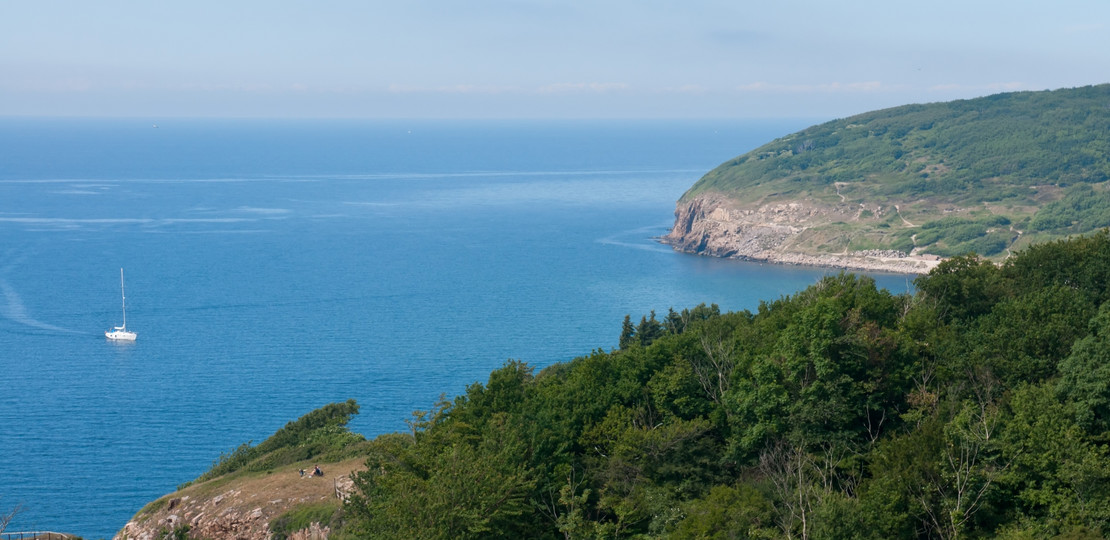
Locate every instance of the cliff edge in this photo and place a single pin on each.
(778, 232)
(245, 507)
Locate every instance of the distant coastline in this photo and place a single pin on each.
(901, 189)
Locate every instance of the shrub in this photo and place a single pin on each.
(326, 514)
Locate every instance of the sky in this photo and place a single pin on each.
(536, 58)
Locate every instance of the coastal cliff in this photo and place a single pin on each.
(899, 189)
(778, 232)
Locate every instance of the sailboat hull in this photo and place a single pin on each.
(120, 335)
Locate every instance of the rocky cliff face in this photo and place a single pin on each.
(206, 519)
(778, 232)
(714, 225)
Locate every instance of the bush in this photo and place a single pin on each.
(319, 433)
(326, 514)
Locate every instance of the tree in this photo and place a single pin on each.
(727, 513)
(897, 497)
(1025, 336)
(628, 333)
(567, 508)
(1085, 376)
(649, 330)
(834, 367)
(790, 468)
(6, 518)
(676, 323)
(970, 466)
(454, 489)
(506, 390)
(963, 287)
(1060, 479)
(1078, 263)
(714, 367)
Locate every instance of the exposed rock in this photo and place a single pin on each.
(230, 523)
(315, 531)
(242, 509)
(344, 487)
(714, 225)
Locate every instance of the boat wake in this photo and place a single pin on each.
(15, 311)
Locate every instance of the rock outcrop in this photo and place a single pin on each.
(222, 516)
(242, 509)
(714, 225)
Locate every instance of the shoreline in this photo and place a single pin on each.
(898, 265)
(865, 262)
(712, 225)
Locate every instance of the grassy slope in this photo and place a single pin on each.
(980, 175)
(275, 492)
(265, 479)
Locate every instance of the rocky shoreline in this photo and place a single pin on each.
(712, 225)
(905, 264)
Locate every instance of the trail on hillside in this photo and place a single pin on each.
(904, 220)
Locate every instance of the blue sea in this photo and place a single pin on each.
(273, 267)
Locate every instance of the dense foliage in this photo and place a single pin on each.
(979, 406)
(1081, 209)
(1010, 154)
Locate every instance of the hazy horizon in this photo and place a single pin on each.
(535, 59)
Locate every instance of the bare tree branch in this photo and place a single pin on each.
(715, 370)
(7, 518)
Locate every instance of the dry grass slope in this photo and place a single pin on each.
(240, 505)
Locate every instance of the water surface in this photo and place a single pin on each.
(276, 266)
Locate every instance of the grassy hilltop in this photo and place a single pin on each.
(982, 175)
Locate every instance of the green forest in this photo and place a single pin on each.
(976, 407)
(1040, 161)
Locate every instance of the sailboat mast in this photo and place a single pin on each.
(120, 333)
(123, 298)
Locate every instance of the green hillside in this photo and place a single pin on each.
(977, 407)
(970, 175)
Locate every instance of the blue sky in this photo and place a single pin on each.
(536, 58)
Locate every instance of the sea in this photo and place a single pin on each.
(275, 266)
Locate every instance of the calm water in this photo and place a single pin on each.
(273, 267)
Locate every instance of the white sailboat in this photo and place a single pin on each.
(120, 333)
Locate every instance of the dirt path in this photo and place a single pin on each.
(904, 220)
